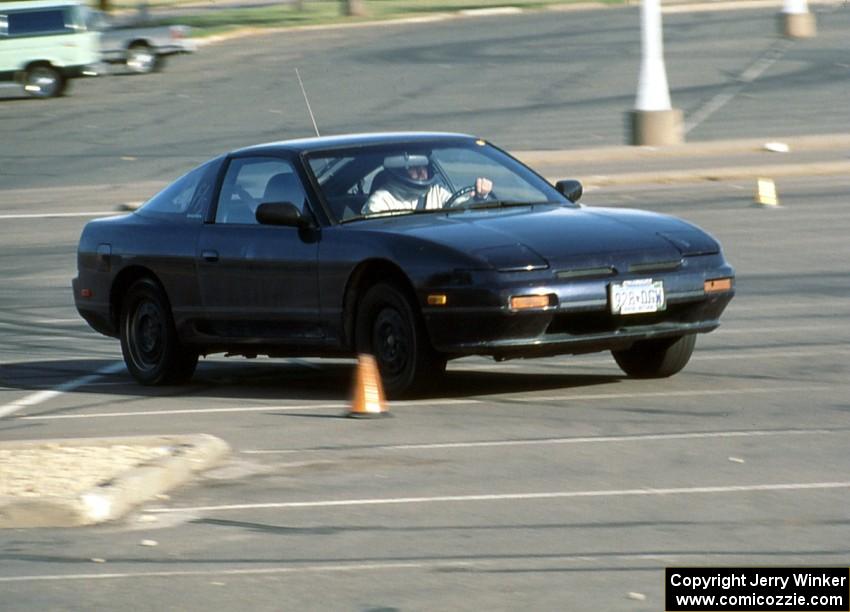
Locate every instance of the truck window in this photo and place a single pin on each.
(27, 23)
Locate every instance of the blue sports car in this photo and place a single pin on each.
(414, 247)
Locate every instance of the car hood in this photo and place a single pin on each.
(560, 237)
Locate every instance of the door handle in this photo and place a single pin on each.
(211, 256)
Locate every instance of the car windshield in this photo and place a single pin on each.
(424, 177)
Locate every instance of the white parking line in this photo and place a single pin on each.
(290, 408)
(494, 497)
(730, 91)
(42, 396)
(757, 433)
(46, 215)
(424, 403)
(430, 564)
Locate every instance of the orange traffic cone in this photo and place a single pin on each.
(368, 400)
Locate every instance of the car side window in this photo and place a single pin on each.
(187, 197)
(251, 181)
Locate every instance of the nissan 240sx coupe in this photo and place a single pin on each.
(415, 247)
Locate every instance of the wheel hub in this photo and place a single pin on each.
(147, 335)
(391, 343)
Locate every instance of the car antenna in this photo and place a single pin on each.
(309, 110)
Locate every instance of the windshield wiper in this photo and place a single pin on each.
(383, 215)
(473, 205)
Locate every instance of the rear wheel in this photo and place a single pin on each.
(656, 358)
(152, 351)
(142, 58)
(391, 329)
(43, 81)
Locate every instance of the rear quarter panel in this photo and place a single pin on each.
(165, 250)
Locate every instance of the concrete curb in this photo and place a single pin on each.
(731, 173)
(817, 142)
(110, 500)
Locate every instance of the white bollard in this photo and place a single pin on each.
(654, 121)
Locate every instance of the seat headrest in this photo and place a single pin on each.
(284, 187)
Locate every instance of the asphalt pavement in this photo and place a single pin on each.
(551, 81)
(550, 484)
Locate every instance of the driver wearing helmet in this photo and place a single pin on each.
(411, 184)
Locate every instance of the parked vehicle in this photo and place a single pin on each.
(140, 47)
(44, 43)
(275, 250)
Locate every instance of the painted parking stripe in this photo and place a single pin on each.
(285, 408)
(47, 215)
(496, 497)
(423, 403)
(757, 433)
(40, 397)
(446, 562)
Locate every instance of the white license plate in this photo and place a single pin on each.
(637, 296)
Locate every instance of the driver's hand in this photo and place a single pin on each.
(483, 187)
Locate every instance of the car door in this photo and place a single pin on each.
(259, 283)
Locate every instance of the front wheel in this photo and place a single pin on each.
(389, 328)
(43, 81)
(152, 351)
(141, 58)
(656, 358)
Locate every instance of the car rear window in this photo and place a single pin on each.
(188, 197)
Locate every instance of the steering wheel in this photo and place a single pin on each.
(464, 191)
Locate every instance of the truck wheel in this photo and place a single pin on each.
(656, 358)
(43, 81)
(142, 59)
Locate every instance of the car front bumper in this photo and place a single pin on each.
(480, 322)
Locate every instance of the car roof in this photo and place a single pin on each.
(306, 145)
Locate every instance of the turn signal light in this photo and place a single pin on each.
(523, 302)
(437, 299)
(718, 284)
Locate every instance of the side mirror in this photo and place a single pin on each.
(281, 213)
(570, 189)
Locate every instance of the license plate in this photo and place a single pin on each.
(637, 296)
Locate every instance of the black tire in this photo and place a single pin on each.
(44, 81)
(391, 329)
(656, 358)
(149, 342)
(142, 59)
